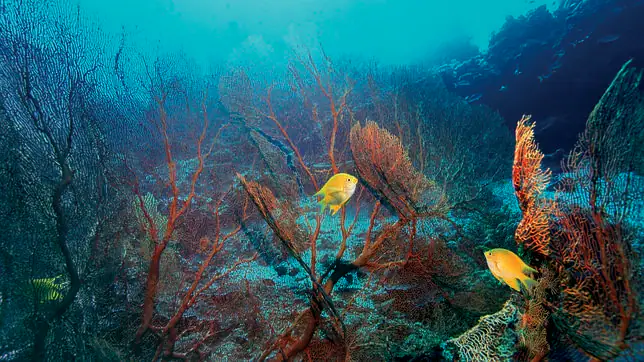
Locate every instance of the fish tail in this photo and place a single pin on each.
(335, 208)
(529, 283)
(320, 192)
(528, 269)
(322, 203)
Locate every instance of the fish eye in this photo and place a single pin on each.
(349, 179)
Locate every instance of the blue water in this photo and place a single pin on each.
(391, 32)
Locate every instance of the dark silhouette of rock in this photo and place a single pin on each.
(553, 65)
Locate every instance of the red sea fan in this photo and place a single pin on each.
(383, 163)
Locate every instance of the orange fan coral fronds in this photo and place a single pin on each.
(597, 303)
(532, 329)
(528, 179)
(384, 164)
(529, 182)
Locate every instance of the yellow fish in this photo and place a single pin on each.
(507, 267)
(47, 289)
(337, 191)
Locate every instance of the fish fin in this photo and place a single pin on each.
(499, 278)
(528, 269)
(522, 288)
(320, 193)
(335, 208)
(525, 286)
(514, 284)
(339, 197)
(331, 189)
(529, 283)
(322, 203)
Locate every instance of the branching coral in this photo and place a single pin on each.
(280, 214)
(171, 326)
(385, 167)
(529, 182)
(597, 302)
(176, 210)
(455, 144)
(278, 219)
(49, 80)
(437, 289)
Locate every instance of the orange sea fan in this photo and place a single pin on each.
(528, 179)
(384, 164)
(529, 182)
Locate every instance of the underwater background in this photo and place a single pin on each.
(337, 180)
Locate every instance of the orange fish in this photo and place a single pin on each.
(507, 267)
(337, 191)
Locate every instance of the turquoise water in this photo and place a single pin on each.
(391, 32)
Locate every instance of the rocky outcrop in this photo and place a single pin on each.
(554, 65)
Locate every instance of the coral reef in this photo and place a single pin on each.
(175, 206)
(586, 289)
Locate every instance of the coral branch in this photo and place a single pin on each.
(273, 117)
(590, 249)
(176, 210)
(336, 107)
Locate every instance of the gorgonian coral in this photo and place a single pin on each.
(383, 163)
(529, 182)
(597, 304)
(533, 334)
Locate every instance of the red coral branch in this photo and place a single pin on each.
(174, 212)
(170, 332)
(273, 117)
(337, 108)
